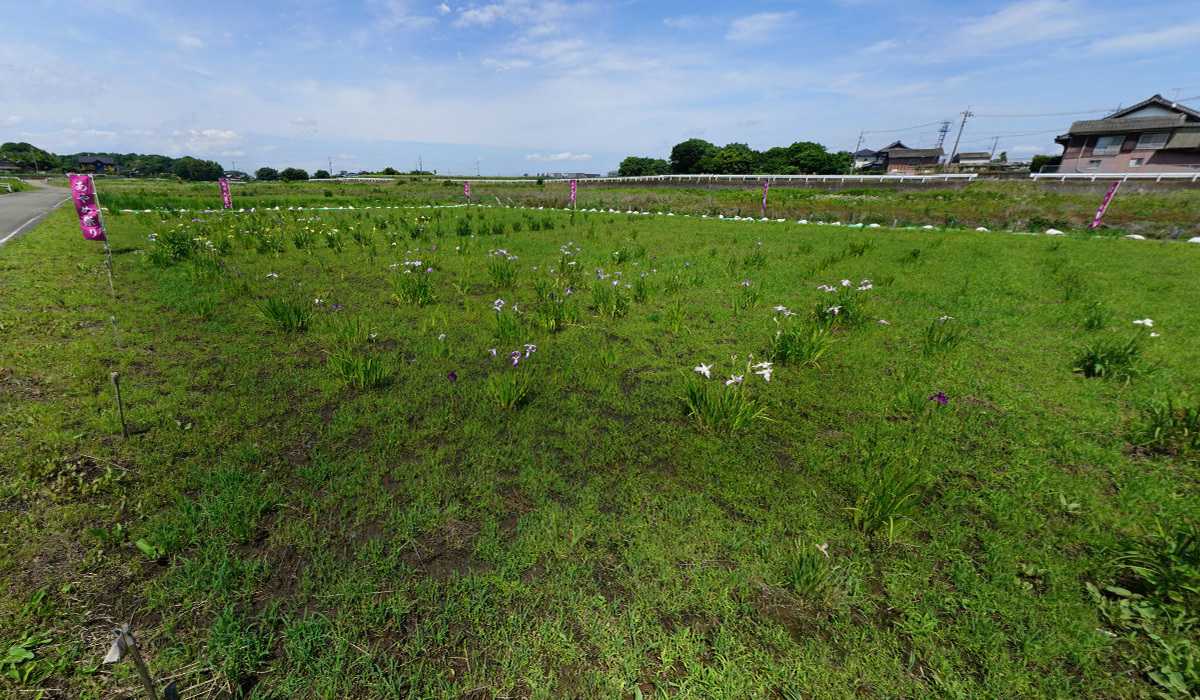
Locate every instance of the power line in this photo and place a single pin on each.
(911, 128)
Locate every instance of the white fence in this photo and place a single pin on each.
(959, 177)
(1092, 177)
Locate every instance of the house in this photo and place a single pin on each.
(9, 166)
(97, 164)
(866, 159)
(899, 158)
(972, 158)
(1153, 136)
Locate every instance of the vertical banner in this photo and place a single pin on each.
(1104, 205)
(83, 191)
(225, 198)
(467, 190)
(572, 191)
(766, 188)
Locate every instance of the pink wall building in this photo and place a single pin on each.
(1154, 136)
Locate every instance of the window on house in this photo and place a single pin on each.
(1152, 140)
(1108, 145)
(1136, 162)
(1093, 165)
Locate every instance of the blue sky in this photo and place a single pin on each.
(516, 86)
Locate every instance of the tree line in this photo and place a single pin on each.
(31, 157)
(696, 156)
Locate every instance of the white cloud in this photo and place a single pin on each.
(397, 13)
(238, 153)
(303, 121)
(443, 9)
(1177, 36)
(190, 42)
(761, 27)
(684, 22)
(557, 157)
(885, 45)
(1023, 23)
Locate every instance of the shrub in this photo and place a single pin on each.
(799, 345)
(1169, 427)
(1111, 359)
(810, 573)
(941, 336)
(509, 389)
(889, 497)
(718, 407)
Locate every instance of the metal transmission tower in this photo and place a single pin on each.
(942, 131)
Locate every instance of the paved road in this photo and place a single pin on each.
(21, 211)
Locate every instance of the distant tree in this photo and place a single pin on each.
(266, 174)
(812, 158)
(1039, 162)
(321, 175)
(196, 170)
(634, 166)
(389, 170)
(293, 174)
(686, 155)
(735, 159)
(1003, 157)
(34, 157)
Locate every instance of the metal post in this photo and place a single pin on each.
(116, 382)
(147, 681)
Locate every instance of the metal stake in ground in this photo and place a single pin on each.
(117, 333)
(125, 643)
(116, 382)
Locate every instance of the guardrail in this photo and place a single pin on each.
(1092, 177)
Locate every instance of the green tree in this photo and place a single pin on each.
(685, 156)
(1038, 162)
(266, 174)
(321, 175)
(634, 166)
(735, 159)
(28, 154)
(389, 170)
(293, 174)
(812, 158)
(196, 170)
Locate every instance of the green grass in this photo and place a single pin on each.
(566, 527)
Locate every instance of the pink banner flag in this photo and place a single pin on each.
(766, 188)
(572, 190)
(467, 189)
(83, 191)
(225, 198)
(1104, 205)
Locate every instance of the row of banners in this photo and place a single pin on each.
(87, 206)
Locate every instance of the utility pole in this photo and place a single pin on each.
(420, 166)
(945, 127)
(965, 113)
(856, 147)
(476, 167)
(330, 159)
(995, 142)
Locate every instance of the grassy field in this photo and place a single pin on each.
(466, 453)
(1001, 206)
(9, 185)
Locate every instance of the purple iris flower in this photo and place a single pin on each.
(939, 397)
(452, 376)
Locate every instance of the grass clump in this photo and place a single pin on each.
(288, 315)
(721, 408)
(360, 371)
(941, 336)
(1111, 359)
(1169, 427)
(412, 288)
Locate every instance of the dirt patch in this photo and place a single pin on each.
(446, 552)
(20, 387)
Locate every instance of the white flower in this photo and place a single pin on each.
(884, 322)
(703, 369)
(442, 336)
(864, 287)
(272, 274)
(943, 319)
(835, 310)
(498, 302)
(1149, 323)
(824, 549)
(734, 379)
(846, 283)
(1154, 335)
(781, 308)
(763, 365)
(766, 373)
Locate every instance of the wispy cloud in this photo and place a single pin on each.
(557, 157)
(762, 27)
(1158, 40)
